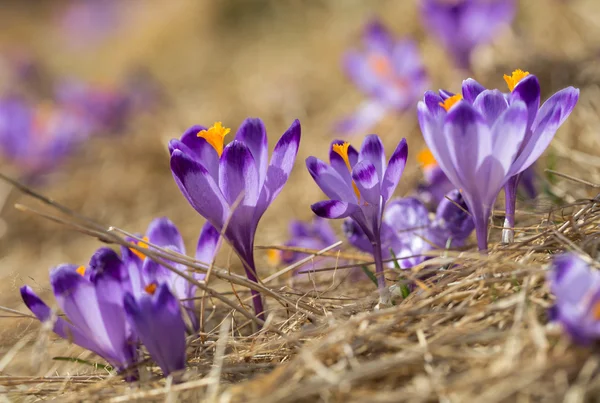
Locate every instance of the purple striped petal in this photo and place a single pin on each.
(199, 188)
(330, 181)
(338, 163)
(238, 174)
(528, 90)
(366, 179)
(490, 104)
(507, 135)
(444, 94)
(334, 209)
(197, 148)
(253, 134)
(208, 245)
(394, 170)
(157, 319)
(471, 90)
(372, 150)
(162, 232)
(549, 118)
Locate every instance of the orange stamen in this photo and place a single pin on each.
(515, 78)
(141, 245)
(380, 65)
(81, 270)
(215, 136)
(426, 158)
(273, 257)
(150, 288)
(342, 151)
(450, 102)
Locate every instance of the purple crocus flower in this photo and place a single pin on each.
(576, 287)
(144, 272)
(390, 72)
(462, 25)
(36, 138)
(409, 232)
(156, 319)
(232, 186)
(483, 138)
(92, 299)
(359, 185)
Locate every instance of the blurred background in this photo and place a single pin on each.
(116, 79)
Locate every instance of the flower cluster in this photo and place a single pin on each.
(116, 302)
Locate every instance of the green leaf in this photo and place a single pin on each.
(84, 362)
(403, 287)
(370, 274)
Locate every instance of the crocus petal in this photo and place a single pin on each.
(208, 244)
(280, 167)
(334, 209)
(372, 150)
(432, 102)
(490, 104)
(394, 170)
(549, 118)
(528, 90)
(356, 236)
(197, 148)
(199, 188)
(365, 176)
(377, 37)
(330, 181)
(471, 89)
(157, 319)
(253, 134)
(162, 232)
(507, 135)
(367, 116)
(238, 174)
(61, 327)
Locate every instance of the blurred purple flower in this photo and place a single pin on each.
(92, 300)
(156, 319)
(359, 185)
(462, 25)
(408, 232)
(234, 184)
(576, 287)
(144, 272)
(87, 23)
(390, 72)
(36, 138)
(482, 138)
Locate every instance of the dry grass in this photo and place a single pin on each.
(474, 331)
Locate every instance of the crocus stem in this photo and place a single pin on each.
(481, 229)
(257, 302)
(510, 194)
(381, 286)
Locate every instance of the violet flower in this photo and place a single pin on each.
(37, 138)
(232, 186)
(576, 287)
(409, 232)
(483, 138)
(144, 272)
(462, 25)
(92, 300)
(390, 72)
(156, 319)
(359, 185)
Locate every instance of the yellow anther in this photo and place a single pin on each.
(342, 151)
(273, 257)
(150, 288)
(381, 65)
(515, 78)
(449, 102)
(426, 158)
(141, 245)
(215, 136)
(81, 270)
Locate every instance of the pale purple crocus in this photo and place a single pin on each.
(388, 71)
(36, 138)
(232, 186)
(92, 299)
(462, 25)
(576, 287)
(408, 232)
(144, 272)
(359, 185)
(156, 318)
(483, 138)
